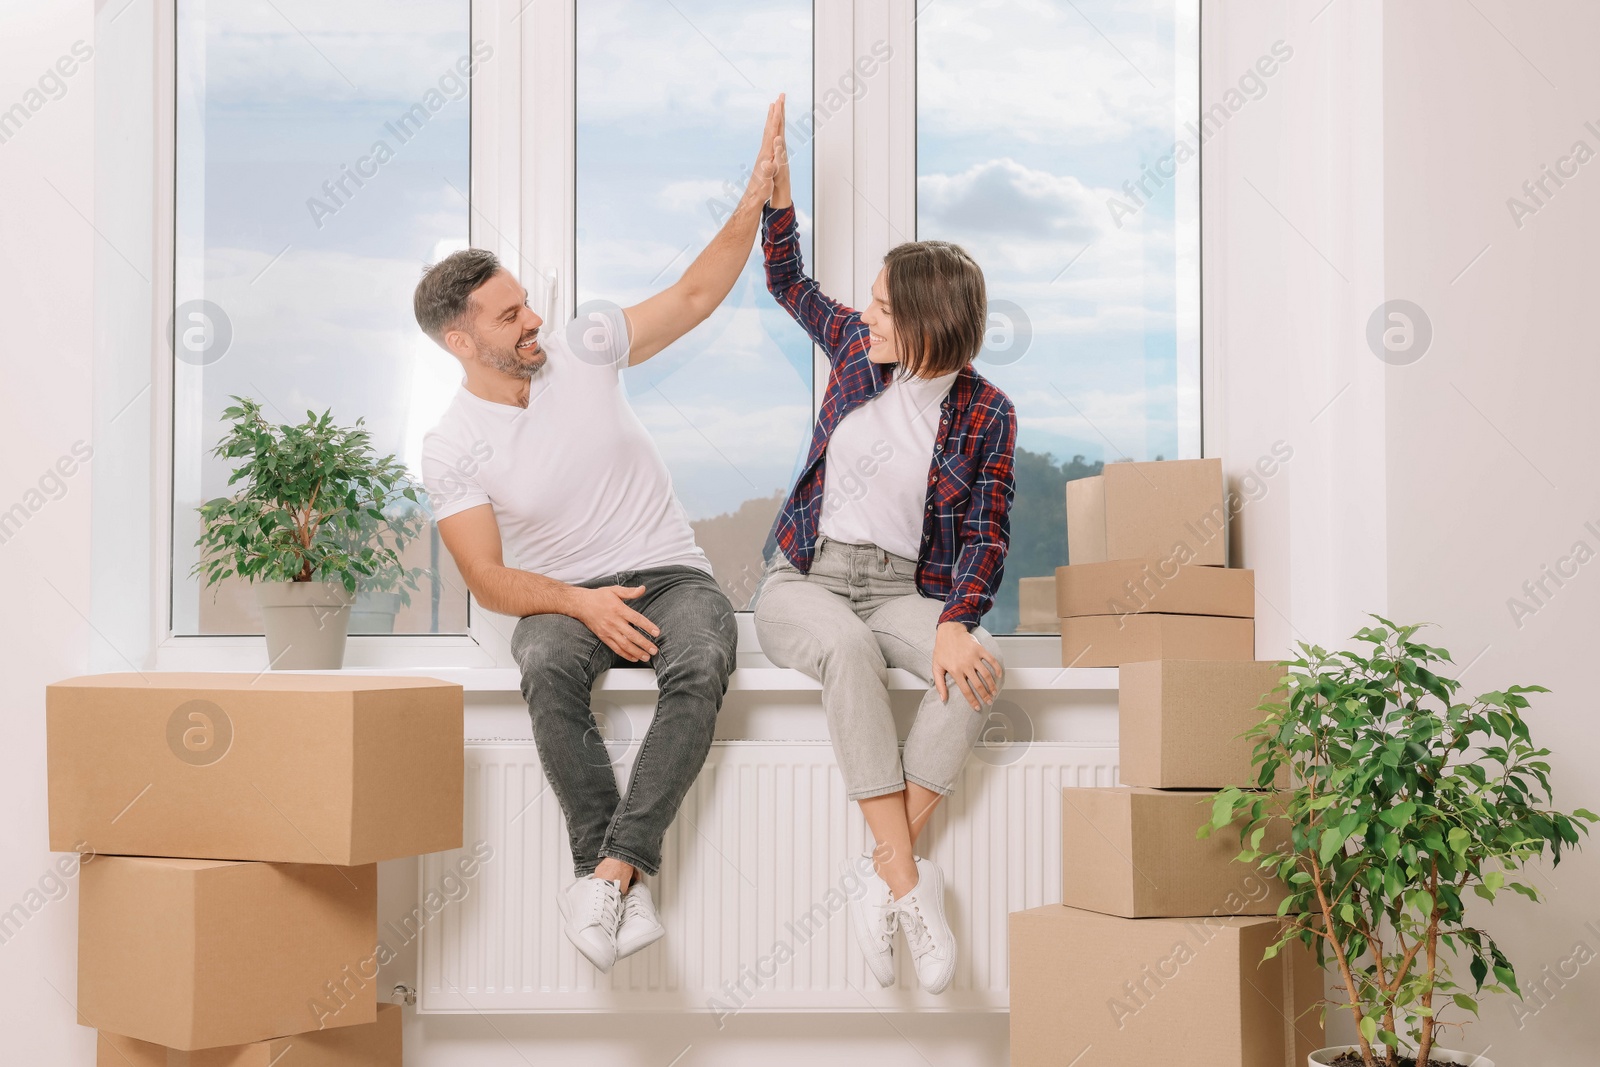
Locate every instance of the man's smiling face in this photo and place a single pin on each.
(503, 329)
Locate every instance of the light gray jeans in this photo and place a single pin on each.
(857, 614)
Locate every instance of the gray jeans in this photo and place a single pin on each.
(857, 614)
(560, 659)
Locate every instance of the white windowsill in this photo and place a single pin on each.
(744, 679)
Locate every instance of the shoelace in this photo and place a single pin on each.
(917, 931)
(632, 906)
(605, 906)
(890, 923)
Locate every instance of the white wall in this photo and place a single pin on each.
(1378, 162)
(46, 344)
(1492, 434)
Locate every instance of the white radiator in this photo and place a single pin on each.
(744, 890)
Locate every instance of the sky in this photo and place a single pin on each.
(1032, 115)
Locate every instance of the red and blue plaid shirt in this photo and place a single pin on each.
(966, 526)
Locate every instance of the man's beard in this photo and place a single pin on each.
(507, 359)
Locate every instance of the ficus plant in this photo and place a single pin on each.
(1404, 803)
(310, 506)
(402, 523)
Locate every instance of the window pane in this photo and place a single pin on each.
(671, 100)
(1037, 125)
(322, 154)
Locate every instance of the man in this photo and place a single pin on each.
(540, 451)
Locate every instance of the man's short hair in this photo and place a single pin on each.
(444, 295)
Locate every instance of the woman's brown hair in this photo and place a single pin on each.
(939, 304)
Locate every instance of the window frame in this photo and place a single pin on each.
(522, 172)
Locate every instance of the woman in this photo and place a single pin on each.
(891, 546)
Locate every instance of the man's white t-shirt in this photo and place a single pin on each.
(577, 486)
(875, 473)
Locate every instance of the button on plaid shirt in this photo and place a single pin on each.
(966, 525)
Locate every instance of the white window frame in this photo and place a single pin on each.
(523, 154)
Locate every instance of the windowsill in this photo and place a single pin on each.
(744, 679)
(1032, 663)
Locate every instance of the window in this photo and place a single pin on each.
(670, 101)
(324, 154)
(322, 160)
(1041, 135)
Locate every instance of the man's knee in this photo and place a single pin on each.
(552, 652)
(702, 646)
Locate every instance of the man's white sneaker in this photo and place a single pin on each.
(640, 927)
(591, 909)
(920, 914)
(872, 916)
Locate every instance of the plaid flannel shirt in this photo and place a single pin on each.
(966, 526)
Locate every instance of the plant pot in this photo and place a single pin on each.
(1439, 1055)
(374, 613)
(306, 623)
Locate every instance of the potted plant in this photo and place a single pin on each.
(1403, 803)
(303, 490)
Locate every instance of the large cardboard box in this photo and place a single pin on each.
(1036, 602)
(1090, 990)
(308, 768)
(375, 1044)
(1171, 509)
(196, 954)
(1133, 852)
(1182, 721)
(1112, 640)
(1129, 586)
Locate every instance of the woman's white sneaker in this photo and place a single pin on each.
(920, 916)
(591, 910)
(872, 918)
(639, 928)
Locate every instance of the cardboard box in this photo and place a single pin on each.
(1129, 586)
(310, 768)
(1167, 992)
(1036, 600)
(1133, 852)
(195, 954)
(1112, 640)
(1182, 721)
(1170, 509)
(375, 1044)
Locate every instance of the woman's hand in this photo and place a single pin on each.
(780, 160)
(957, 653)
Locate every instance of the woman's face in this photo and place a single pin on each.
(880, 321)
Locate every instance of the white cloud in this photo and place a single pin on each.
(1042, 72)
(690, 196)
(698, 64)
(1001, 197)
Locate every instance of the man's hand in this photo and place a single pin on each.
(957, 653)
(606, 612)
(657, 321)
(780, 197)
(760, 187)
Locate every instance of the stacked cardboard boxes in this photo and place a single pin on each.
(231, 826)
(1155, 953)
(1147, 575)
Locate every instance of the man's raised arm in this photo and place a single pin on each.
(657, 321)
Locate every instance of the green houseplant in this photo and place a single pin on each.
(305, 526)
(387, 588)
(1404, 802)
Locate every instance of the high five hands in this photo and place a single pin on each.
(769, 178)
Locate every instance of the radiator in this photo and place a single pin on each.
(749, 891)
